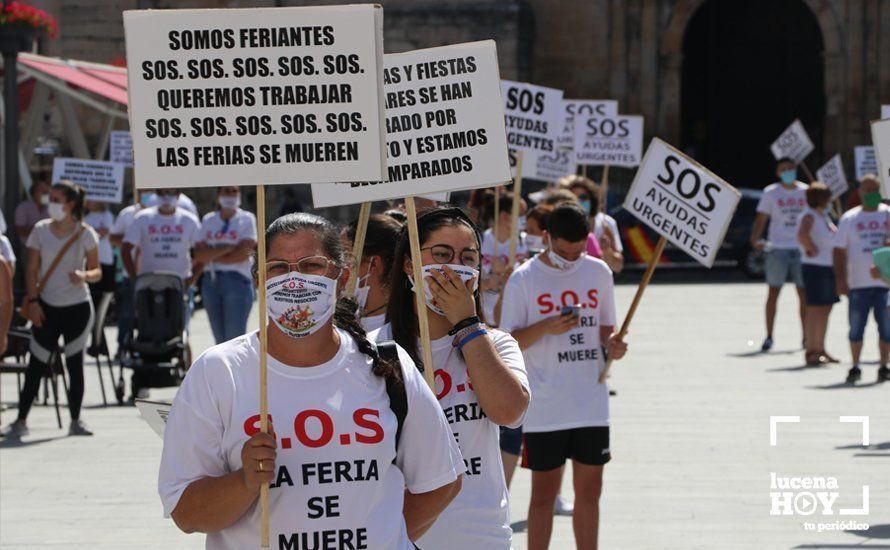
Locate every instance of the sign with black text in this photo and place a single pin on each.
(444, 122)
(544, 166)
(103, 181)
(120, 148)
(532, 115)
(575, 107)
(155, 413)
(608, 140)
(256, 96)
(832, 174)
(880, 137)
(866, 163)
(794, 143)
(682, 201)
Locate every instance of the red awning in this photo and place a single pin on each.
(104, 80)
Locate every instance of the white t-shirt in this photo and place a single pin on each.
(783, 205)
(337, 439)
(602, 220)
(491, 249)
(241, 226)
(373, 322)
(6, 250)
(563, 368)
(122, 223)
(99, 221)
(164, 241)
(860, 232)
(59, 291)
(479, 517)
(186, 203)
(822, 235)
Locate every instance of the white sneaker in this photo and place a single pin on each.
(15, 430)
(563, 507)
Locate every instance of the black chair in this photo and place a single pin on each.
(99, 345)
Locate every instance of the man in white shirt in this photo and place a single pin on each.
(860, 231)
(780, 205)
(560, 307)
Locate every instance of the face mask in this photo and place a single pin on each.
(148, 199)
(44, 200)
(361, 292)
(465, 273)
(871, 200)
(229, 202)
(788, 176)
(535, 242)
(522, 222)
(561, 263)
(300, 304)
(585, 205)
(57, 211)
(167, 202)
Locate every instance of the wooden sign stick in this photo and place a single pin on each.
(806, 170)
(264, 400)
(625, 326)
(358, 246)
(604, 199)
(419, 294)
(514, 214)
(497, 210)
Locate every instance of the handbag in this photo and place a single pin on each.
(25, 310)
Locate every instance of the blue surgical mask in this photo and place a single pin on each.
(586, 205)
(148, 199)
(788, 176)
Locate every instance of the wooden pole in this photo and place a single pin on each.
(604, 207)
(358, 246)
(264, 400)
(625, 326)
(419, 294)
(497, 208)
(806, 170)
(514, 215)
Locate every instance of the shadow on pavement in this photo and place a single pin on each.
(758, 353)
(16, 443)
(519, 526)
(843, 385)
(797, 368)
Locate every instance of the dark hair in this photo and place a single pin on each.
(568, 222)
(505, 204)
(818, 194)
(73, 193)
(593, 192)
(345, 314)
(397, 215)
(401, 313)
(555, 197)
(382, 232)
(540, 214)
(783, 160)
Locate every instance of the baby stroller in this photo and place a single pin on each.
(158, 352)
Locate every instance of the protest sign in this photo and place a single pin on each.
(885, 111)
(880, 137)
(575, 107)
(608, 140)
(794, 143)
(866, 163)
(256, 96)
(103, 181)
(682, 201)
(532, 115)
(121, 148)
(549, 167)
(832, 174)
(155, 413)
(445, 126)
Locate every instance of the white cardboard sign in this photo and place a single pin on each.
(880, 137)
(155, 413)
(121, 148)
(794, 143)
(445, 126)
(103, 181)
(533, 116)
(866, 163)
(575, 107)
(256, 96)
(885, 111)
(609, 140)
(832, 174)
(682, 201)
(544, 166)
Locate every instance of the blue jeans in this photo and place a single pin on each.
(227, 297)
(125, 315)
(783, 264)
(862, 300)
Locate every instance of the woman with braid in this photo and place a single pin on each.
(344, 469)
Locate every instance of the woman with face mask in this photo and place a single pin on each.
(226, 242)
(63, 258)
(372, 289)
(337, 460)
(480, 375)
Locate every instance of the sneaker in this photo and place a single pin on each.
(854, 375)
(767, 344)
(15, 430)
(883, 374)
(563, 507)
(78, 428)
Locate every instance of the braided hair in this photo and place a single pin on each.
(345, 317)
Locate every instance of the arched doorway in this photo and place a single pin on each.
(749, 69)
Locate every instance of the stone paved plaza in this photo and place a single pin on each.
(690, 440)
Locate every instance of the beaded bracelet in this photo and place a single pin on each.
(466, 331)
(472, 320)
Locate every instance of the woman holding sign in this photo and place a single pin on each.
(344, 470)
(480, 375)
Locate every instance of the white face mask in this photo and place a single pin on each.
(300, 304)
(535, 242)
(44, 200)
(465, 273)
(57, 211)
(361, 292)
(561, 263)
(168, 202)
(229, 202)
(522, 223)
